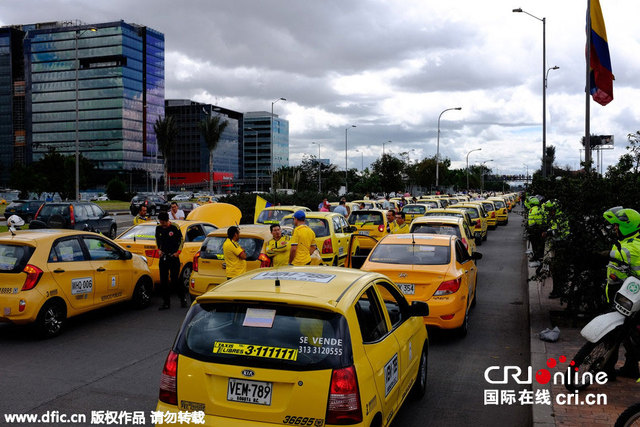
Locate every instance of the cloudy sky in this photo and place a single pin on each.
(390, 67)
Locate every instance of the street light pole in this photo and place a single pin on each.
(77, 34)
(271, 141)
(544, 87)
(438, 143)
(477, 149)
(319, 182)
(346, 164)
(482, 181)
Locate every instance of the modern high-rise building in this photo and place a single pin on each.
(97, 87)
(257, 146)
(189, 163)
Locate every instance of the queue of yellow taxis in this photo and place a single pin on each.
(333, 234)
(490, 209)
(273, 214)
(209, 266)
(478, 217)
(448, 225)
(48, 275)
(502, 214)
(415, 210)
(309, 346)
(141, 239)
(436, 269)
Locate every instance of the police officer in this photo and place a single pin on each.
(535, 229)
(626, 223)
(556, 235)
(169, 241)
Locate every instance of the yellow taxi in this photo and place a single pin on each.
(332, 234)
(369, 222)
(141, 239)
(395, 204)
(490, 209)
(448, 225)
(438, 203)
(502, 214)
(478, 217)
(460, 213)
(273, 214)
(369, 204)
(208, 266)
(415, 210)
(47, 276)
(206, 199)
(308, 346)
(432, 268)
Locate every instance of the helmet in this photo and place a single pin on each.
(628, 220)
(550, 204)
(534, 201)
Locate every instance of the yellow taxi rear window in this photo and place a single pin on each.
(266, 335)
(140, 232)
(272, 216)
(366, 218)
(13, 258)
(446, 229)
(212, 247)
(412, 254)
(413, 209)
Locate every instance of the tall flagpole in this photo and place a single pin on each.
(587, 103)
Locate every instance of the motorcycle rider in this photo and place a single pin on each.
(626, 223)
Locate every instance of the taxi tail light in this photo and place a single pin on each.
(464, 242)
(493, 214)
(265, 261)
(196, 258)
(381, 228)
(327, 247)
(343, 406)
(152, 253)
(169, 380)
(478, 223)
(449, 287)
(72, 216)
(33, 277)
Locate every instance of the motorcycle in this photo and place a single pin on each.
(606, 332)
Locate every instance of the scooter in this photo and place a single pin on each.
(606, 332)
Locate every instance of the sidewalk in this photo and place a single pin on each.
(620, 394)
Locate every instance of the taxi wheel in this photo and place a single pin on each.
(185, 275)
(478, 241)
(463, 330)
(485, 236)
(420, 385)
(50, 320)
(142, 293)
(335, 261)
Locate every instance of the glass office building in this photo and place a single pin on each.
(103, 81)
(191, 154)
(257, 148)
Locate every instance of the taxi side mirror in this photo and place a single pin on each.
(476, 256)
(419, 309)
(127, 255)
(352, 229)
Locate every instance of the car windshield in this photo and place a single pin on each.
(418, 254)
(499, 204)
(50, 210)
(488, 207)
(138, 199)
(16, 204)
(212, 247)
(13, 258)
(319, 226)
(140, 232)
(473, 212)
(272, 216)
(366, 217)
(456, 214)
(414, 209)
(266, 336)
(435, 228)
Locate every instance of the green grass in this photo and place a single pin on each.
(114, 205)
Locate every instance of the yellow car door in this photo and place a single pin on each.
(381, 348)
(73, 272)
(113, 273)
(468, 265)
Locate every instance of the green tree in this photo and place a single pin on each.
(634, 149)
(117, 190)
(212, 128)
(390, 170)
(166, 130)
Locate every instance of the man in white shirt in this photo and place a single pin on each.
(175, 213)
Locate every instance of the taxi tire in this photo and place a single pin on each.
(485, 236)
(186, 270)
(419, 387)
(142, 293)
(463, 330)
(51, 319)
(475, 295)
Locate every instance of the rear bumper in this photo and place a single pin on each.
(445, 306)
(10, 307)
(199, 284)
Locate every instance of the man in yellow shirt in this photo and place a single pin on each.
(391, 221)
(142, 216)
(401, 225)
(303, 241)
(234, 256)
(278, 248)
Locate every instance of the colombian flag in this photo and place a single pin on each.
(260, 205)
(600, 75)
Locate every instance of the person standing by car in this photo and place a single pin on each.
(391, 220)
(626, 223)
(175, 212)
(341, 209)
(142, 215)
(303, 241)
(401, 225)
(278, 248)
(556, 235)
(169, 241)
(234, 255)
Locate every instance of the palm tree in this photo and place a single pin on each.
(212, 128)
(166, 130)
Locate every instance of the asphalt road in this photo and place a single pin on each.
(112, 359)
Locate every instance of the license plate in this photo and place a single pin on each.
(407, 288)
(363, 232)
(245, 391)
(83, 285)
